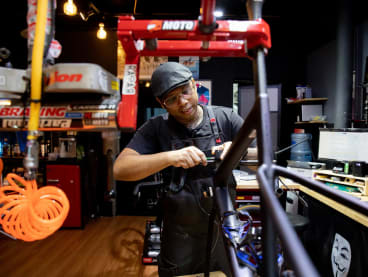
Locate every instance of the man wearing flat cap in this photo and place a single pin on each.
(179, 142)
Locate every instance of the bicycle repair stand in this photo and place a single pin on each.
(152, 236)
(207, 37)
(152, 243)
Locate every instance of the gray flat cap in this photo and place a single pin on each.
(169, 76)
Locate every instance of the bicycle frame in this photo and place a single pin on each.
(274, 220)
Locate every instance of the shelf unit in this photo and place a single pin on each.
(311, 122)
(308, 100)
(345, 182)
(296, 120)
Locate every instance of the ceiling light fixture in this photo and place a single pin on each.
(70, 8)
(101, 33)
(218, 13)
(86, 16)
(87, 13)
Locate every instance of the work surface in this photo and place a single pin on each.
(362, 219)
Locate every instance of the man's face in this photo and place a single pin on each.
(182, 103)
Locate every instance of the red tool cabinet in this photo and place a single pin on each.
(67, 178)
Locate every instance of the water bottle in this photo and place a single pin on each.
(302, 151)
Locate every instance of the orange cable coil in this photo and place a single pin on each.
(28, 213)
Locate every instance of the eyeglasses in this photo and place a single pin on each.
(186, 93)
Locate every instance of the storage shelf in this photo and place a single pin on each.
(311, 122)
(346, 180)
(308, 100)
(339, 182)
(329, 172)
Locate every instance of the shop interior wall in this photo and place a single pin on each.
(322, 73)
(322, 76)
(360, 66)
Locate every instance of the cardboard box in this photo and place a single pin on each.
(309, 112)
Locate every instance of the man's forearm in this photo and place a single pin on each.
(130, 166)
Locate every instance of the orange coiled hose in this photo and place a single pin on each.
(28, 213)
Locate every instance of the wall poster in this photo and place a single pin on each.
(192, 63)
(147, 64)
(204, 88)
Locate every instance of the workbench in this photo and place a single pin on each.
(327, 218)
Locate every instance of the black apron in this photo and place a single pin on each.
(186, 212)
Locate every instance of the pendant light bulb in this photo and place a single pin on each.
(70, 8)
(101, 33)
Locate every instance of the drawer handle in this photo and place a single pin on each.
(53, 181)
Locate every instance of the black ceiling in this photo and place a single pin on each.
(306, 14)
(313, 21)
(303, 12)
(154, 9)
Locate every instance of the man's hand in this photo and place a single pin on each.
(187, 157)
(223, 147)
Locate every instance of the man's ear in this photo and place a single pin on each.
(161, 104)
(194, 85)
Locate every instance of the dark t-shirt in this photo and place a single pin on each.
(154, 135)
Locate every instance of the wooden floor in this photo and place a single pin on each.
(110, 246)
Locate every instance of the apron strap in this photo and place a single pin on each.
(214, 126)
